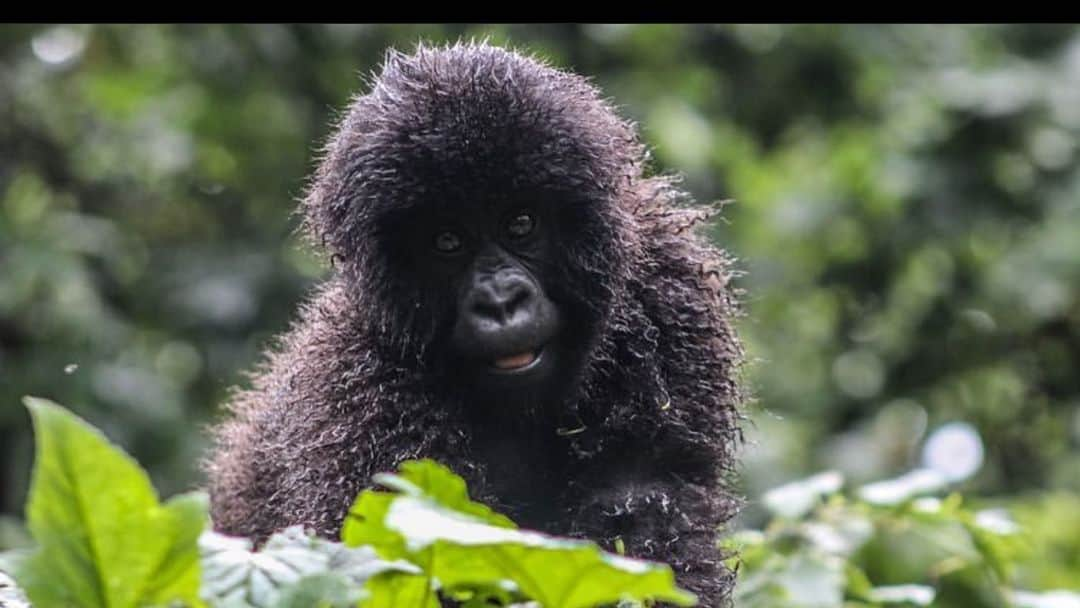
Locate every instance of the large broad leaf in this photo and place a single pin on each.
(418, 479)
(462, 544)
(293, 570)
(433, 481)
(103, 539)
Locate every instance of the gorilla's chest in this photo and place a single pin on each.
(528, 479)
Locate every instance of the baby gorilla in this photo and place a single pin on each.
(512, 297)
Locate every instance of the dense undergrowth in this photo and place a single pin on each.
(102, 538)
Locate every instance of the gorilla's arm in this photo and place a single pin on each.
(670, 521)
(661, 488)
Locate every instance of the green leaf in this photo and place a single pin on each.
(796, 499)
(363, 526)
(904, 488)
(813, 580)
(431, 480)
(292, 569)
(1059, 598)
(462, 544)
(401, 591)
(858, 585)
(918, 595)
(179, 570)
(103, 538)
(319, 591)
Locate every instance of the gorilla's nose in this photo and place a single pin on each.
(503, 301)
(504, 319)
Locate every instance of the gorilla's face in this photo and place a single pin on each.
(504, 318)
(504, 328)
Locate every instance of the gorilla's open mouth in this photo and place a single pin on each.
(519, 362)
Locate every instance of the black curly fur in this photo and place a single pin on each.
(641, 449)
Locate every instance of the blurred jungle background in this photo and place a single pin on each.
(907, 215)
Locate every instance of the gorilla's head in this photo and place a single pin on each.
(472, 199)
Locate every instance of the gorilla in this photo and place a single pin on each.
(511, 296)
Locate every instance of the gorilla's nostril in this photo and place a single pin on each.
(488, 309)
(517, 299)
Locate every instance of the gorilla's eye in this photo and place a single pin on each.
(447, 241)
(521, 225)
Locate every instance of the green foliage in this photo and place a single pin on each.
(103, 541)
(467, 550)
(292, 570)
(907, 219)
(1053, 525)
(103, 538)
(912, 550)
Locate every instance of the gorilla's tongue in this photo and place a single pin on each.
(515, 361)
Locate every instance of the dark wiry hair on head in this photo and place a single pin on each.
(469, 124)
(445, 116)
